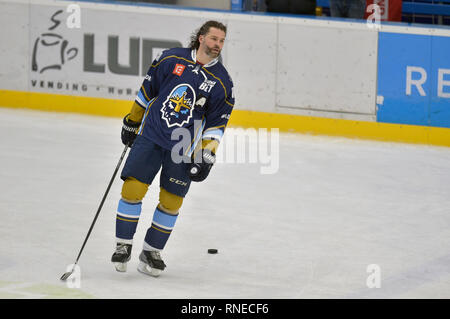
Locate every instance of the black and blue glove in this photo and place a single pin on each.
(201, 165)
(129, 131)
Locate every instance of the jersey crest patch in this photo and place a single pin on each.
(178, 106)
(178, 69)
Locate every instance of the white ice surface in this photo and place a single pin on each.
(309, 231)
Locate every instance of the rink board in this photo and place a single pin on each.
(331, 80)
(243, 118)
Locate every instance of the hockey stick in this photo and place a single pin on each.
(67, 274)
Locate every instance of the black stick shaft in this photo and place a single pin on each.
(101, 203)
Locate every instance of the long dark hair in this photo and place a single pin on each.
(204, 29)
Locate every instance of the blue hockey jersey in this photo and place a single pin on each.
(179, 92)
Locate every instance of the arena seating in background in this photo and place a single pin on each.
(417, 11)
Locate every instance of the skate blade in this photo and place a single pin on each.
(121, 267)
(147, 270)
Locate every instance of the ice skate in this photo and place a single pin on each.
(150, 263)
(121, 256)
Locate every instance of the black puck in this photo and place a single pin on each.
(212, 251)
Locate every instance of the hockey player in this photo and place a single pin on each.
(185, 88)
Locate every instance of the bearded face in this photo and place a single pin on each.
(212, 42)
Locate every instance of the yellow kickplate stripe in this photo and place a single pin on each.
(240, 118)
(65, 103)
(339, 127)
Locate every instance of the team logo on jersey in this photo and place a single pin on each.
(178, 69)
(178, 106)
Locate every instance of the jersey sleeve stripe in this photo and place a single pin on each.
(141, 129)
(145, 93)
(139, 99)
(215, 134)
(197, 137)
(215, 127)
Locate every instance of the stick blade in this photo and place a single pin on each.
(66, 275)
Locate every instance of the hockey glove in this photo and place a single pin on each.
(129, 131)
(199, 171)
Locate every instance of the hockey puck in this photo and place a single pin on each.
(212, 251)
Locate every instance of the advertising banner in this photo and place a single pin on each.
(101, 58)
(414, 79)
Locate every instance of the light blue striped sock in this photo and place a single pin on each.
(127, 219)
(158, 234)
